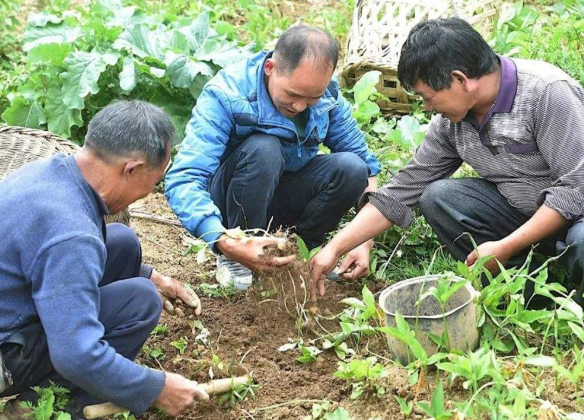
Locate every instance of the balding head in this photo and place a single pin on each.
(300, 43)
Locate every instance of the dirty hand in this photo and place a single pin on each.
(173, 289)
(178, 394)
(356, 262)
(248, 251)
(497, 249)
(321, 264)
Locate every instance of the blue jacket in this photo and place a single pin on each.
(52, 258)
(234, 105)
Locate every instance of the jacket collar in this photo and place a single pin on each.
(267, 113)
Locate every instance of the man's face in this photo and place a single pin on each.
(140, 182)
(293, 92)
(453, 102)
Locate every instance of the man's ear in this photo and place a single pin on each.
(461, 78)
(269, 66)
(131, 167)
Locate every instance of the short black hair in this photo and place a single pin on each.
(435, 48)
(127, 127)
(303, 42)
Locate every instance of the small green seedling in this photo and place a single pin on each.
(241, 393)
(217, 291)
(308, 354)
(159, 330)
(406, 407)
(303, 251)
(339, 414)
(362, 374)
(180, 344)
(51, 400)
(436, 408)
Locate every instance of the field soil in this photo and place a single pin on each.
(247, 329)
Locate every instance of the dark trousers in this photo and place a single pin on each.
(455, 206)
(129, 310)
(252, 190)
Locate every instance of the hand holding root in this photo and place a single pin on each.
(179, 394)
(250, 252)
(171, 288)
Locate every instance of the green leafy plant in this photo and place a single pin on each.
(50, 403)
(308, 354)
(217, 291)
(436, 408)
(81, 63)
(239, 394)
(180, 344)
(406, 407)
(303, 251)
(363, 375)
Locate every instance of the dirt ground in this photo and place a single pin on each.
(248, 329)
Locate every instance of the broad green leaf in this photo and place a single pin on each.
(570, 306)
(578, 330)
(365, 86)
(49, 53)
(41, 19)
(141, 42)
(438, 399)
(222, 53)
(50, 34)
(339, 414)
(60, 117)
(302, 248)
(24, 113)
(197, 32)
(409, 126)
(129, 75)
(83, 72)
(181, 70)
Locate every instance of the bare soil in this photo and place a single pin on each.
(247, 329)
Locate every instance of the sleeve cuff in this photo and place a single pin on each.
(566, 201)
(145, 271)
(152, 389)
(209, 230)
(392, 209)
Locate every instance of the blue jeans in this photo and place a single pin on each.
(473, 205)
(129, 310)
(252, 190)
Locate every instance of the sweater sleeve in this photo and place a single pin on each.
(65, 288)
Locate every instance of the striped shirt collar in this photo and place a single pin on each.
(508, 86)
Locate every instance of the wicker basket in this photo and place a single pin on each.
(379, 29)
(19, 146)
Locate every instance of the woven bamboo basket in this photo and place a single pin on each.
(379, 29)
(19, 146)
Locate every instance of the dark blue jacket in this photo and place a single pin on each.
(52, 258)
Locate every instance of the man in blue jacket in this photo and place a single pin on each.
(76, 302)
(249, 158)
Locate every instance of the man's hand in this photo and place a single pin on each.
(321, 264)
(356, 262)
(248, 252)
(499, 250)
(172, 289)
(178, 394)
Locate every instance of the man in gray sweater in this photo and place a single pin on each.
(76, 302)
(518, 123)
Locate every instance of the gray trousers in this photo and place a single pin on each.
(474, 205)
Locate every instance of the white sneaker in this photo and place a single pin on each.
(232, 273)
